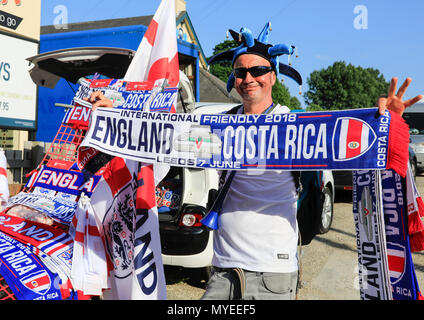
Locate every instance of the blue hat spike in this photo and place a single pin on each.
(230, 82)
(248, 44)
(263, 36)
(247, 36)
(277, 64)
(280, 49)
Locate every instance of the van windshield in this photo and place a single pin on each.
(415, 120)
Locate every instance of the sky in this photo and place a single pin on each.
(387, 35)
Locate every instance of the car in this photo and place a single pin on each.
(328, 205)
(414, 117)
(417, 144)
(343, 178)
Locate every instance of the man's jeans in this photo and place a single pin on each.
(224, 284)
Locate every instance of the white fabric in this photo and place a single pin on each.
(164, 46)
(125, 285)
(106, 205)
(257, 226)
(89, 266)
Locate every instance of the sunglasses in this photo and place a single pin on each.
(254, 71)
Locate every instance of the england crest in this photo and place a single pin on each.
(38, 282)
(352, 138)
(119, 226)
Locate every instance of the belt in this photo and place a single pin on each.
(240, 274)
(232, 269)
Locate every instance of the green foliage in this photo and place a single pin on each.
(314, 107)
(222, 70)
(342, 86)
(281, 95)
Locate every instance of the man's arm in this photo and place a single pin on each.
(97, 100)
(393, 102)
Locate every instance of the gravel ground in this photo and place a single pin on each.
(329, 263)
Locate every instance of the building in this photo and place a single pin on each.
(122, 33)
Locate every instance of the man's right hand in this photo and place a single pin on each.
(97, 99)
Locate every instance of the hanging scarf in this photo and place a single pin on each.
(27, 277)
(380, 202)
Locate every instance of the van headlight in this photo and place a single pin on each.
(418, 147)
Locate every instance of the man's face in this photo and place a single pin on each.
(254, 89)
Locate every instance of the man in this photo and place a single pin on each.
(255, 246)
(256, 241)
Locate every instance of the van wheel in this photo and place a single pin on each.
(324, 223)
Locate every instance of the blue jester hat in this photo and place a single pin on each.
(259, 46)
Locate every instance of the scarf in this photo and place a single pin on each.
(385, 212)
(52, 248)
(333, 140)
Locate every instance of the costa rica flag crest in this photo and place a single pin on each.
(38, 282)
(352, 138)
(396, 256)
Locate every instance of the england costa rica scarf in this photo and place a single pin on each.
(334, 140)
(354, 139)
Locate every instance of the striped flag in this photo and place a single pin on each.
(157, 55)
(38, 282)
(396, 256)
(354, 137)
(4, 187)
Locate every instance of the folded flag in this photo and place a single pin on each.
(89, 265)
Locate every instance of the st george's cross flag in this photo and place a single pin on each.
(129, 218)
(4, 187)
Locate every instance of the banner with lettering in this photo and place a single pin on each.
(41, 254)
(128, 95)
(374, 280)
(28, 278)
(334, 140)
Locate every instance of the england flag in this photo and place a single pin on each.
(4, 186)
(124, 199)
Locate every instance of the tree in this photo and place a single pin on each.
(281, 95)
(342, 86)
(222, 70)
